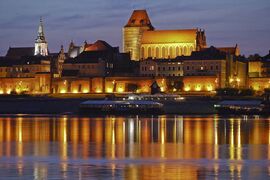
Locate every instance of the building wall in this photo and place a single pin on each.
(206, 68)
(29, 70)
(24, 70)
(254, 68)
(170, 50)
(242, 73)
(259, 83)
(4, 71)
(132, 37)
(105, 85)
(148, 68)
(38, 84)
(87, 69)
(161, 68)
(200, 83)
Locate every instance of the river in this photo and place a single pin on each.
(134, 147)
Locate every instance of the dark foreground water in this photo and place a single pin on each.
(158, 147)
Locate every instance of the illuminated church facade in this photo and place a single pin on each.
(142, 41)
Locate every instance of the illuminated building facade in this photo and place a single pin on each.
(105, 84)
(259, 72)
(203, 70)
(230, 70)
(138, 23)
(171, 43)
(142, 41)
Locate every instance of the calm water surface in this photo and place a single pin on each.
(157, 147)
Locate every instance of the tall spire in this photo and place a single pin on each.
(41, 36)
(41, 46)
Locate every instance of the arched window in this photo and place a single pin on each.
(166, 52)
(177, 53)
(185, 51)
(163, 52)
(149, 52)
(191, 49)
(142, 53)
(157, 52)
(170, 52)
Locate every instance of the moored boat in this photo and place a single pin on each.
(240, 107)
(121, 106)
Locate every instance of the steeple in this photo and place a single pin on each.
(40, 36)
(41, 46)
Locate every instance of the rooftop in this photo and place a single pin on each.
(210, 53)
(90, 57)
(25, 60)
(169, 36)
(17, 52)
(139, 18)
(98, 46)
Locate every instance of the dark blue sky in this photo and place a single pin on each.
(226, 22)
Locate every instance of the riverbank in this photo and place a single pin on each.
(69, 104)
(64, 105)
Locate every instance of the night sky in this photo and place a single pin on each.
(227, 22)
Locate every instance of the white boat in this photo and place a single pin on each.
(121, 106)
(156, 97)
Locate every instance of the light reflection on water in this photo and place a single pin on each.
(160, 147)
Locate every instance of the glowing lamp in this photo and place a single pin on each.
(109, 90)
(198, 88)
(75, 91)
(187, 88)
(62, 91)
(98, 90)
(256, 87)
(209, 88)
(120, 89)
(162, 89)
(1, 91)
(85, 91)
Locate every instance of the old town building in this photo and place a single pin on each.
(98, 60)
(203, 70)
(259, 72)
(161, 67)
(142, 41)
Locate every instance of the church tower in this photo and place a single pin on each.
(133, 31)
(41, 46)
